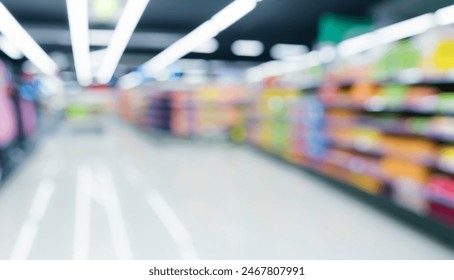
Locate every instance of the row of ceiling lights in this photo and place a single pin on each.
(356, 45)
(19, 39)
(78, 16)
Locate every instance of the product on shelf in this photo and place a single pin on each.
(185, 110)
(28, 93)
(446, 103)
(8, 123)
(422, 99)
(387, 124)
(441, 197)
(446, 159)
(418, 150)
(442, 128)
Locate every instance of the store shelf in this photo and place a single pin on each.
(383, 203)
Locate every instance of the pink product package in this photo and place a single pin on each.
(8, 125)
(28, 114)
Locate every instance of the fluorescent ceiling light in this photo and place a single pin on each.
(327, 54)
(311, 59)
(128, 21)
(388, 34)
(210, 46)
(405, 29)
(200, 35)
(130, 80)
(357, 44)
(287, 51)
(250, 48)
(282, 67)
(78, 25)
(17, 35)
(96, 58)
(445, 16)
(9, 49)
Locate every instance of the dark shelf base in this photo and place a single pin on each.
(427, 226)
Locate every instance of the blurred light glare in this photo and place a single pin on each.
(232, 13)
(206, 31)
(312, 59)
(288, 51)
(392, 33)
(445, 16)
(251, 48)
(17, 35)
(327, 54)
(357, 45)
(61, 59)
(9, 49)
(208, 47)
(105, 10)
(126, 25)
(405, 29)
(130, 80)
(78, 24)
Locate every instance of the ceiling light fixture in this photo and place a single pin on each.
(288, 51)
(126, 25)
(208, 47)
(207, 30)
(357, 44)
(78, 25)
(392, 33)
(445, 16)
(9, 49)
(17, 35)
(251, 48)
(405, 29)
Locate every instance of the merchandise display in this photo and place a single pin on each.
(185, 110)
(18, 120)
(385, 122)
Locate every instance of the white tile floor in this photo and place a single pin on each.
(121, 194)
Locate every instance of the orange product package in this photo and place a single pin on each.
(395, 169)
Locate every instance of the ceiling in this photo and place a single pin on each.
(273, 21)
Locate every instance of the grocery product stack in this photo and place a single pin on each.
(390, 115)
(185, 110)
(18, 120)
(381, 120)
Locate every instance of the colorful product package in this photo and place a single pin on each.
(423, 151)
(395, 168)
(441, 196)
(446, 159)
(446, 103)
(422, 99)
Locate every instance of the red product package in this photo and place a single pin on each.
(441, 194)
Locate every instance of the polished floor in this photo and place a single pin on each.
(103, 190)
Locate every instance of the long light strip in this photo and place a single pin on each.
(367, 41)
(208, 30)
(445, 15)
(357, 44)
(405, 29)
(17, 35)
(126, 25)
(9, 49)
(392, 33)
(78, 24)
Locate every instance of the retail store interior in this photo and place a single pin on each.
(227, 129)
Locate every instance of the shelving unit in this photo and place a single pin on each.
(386, 127)
(18, 122)
(186, 110)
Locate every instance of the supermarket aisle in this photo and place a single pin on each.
(102, 190)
